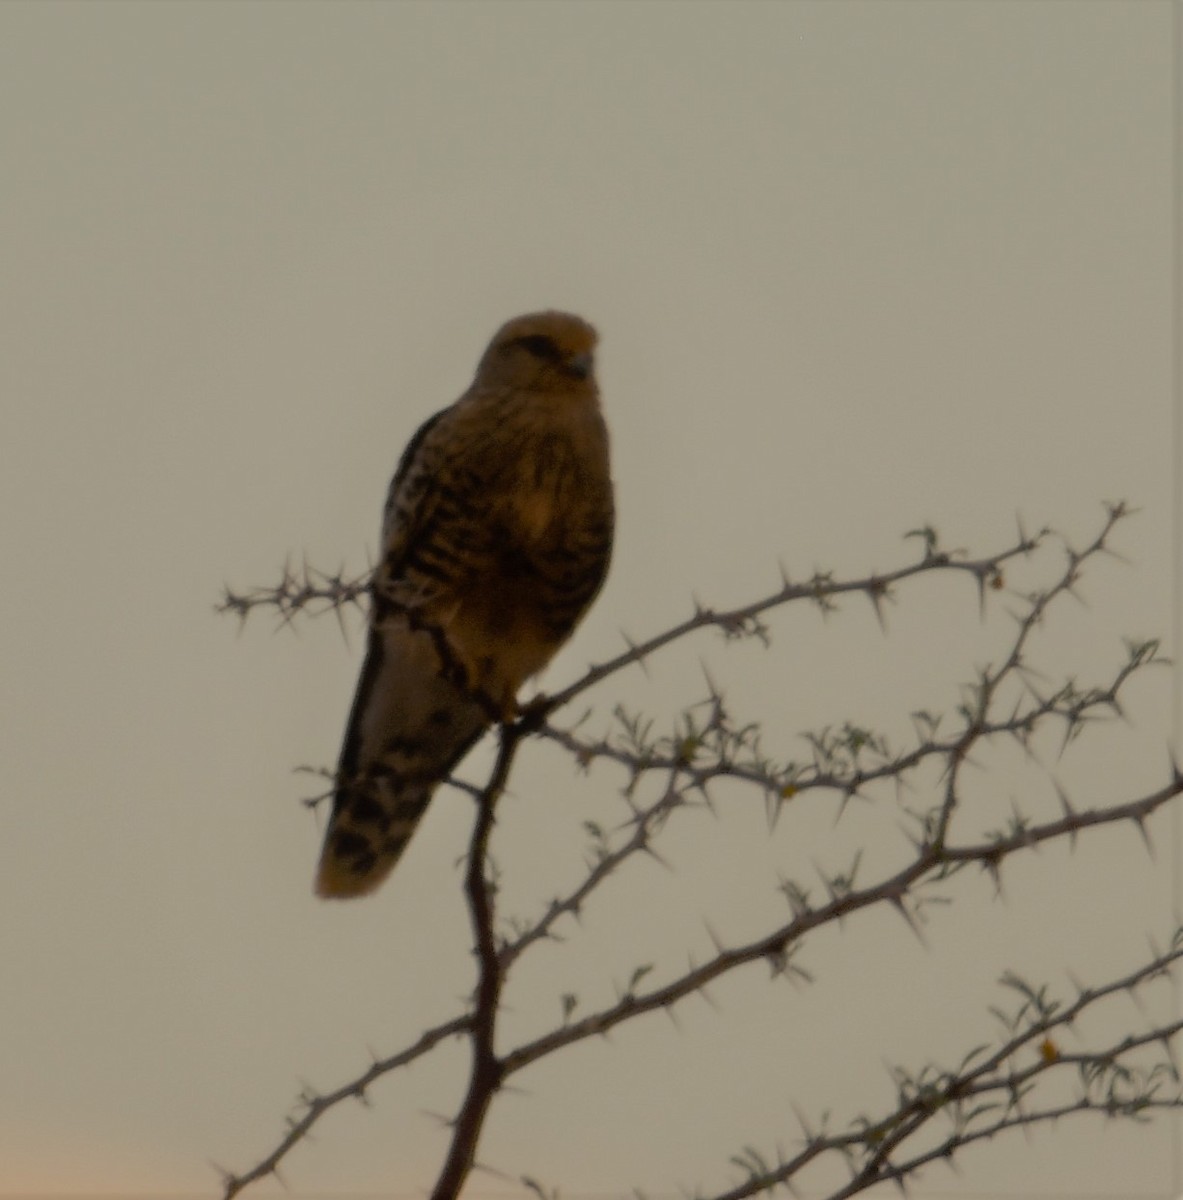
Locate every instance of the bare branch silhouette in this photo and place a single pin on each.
(938, 1111)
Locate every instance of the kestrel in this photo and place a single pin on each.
(496, 537)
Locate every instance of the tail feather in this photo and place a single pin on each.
(409, 727)
(369, 829)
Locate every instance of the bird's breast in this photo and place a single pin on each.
(558, 476)
(537, 515)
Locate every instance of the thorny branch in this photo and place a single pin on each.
(313, 1105)
(487, 1070)
(988, 1094)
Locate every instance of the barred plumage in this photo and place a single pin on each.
(496, 537)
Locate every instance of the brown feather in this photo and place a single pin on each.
(497, 534)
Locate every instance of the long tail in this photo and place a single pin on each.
(409, 726)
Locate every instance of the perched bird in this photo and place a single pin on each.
(495, 539)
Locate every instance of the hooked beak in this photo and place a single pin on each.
(580, 365)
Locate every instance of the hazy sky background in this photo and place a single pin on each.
(856, 266)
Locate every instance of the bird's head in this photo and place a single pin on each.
(553, 351)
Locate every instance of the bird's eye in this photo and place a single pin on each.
(542, 347)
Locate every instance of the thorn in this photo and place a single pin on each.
(918, 845)
(1168, 1047)
(339, 611)
(668, 1009)
(646, 848)
(1176, 773)
(897, 902)
(1155, 952)
(715, 939)
(849, 793)
(876, 593)
(228, 1178)
(713, 693)
(1069, 812)
(993, 866)
(1140, 821)
(702, 991)
(1135, 996)
(810, 1136)
(828, 884)
(1024, 540)
(634, 648)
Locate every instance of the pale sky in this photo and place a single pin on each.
(855, 267)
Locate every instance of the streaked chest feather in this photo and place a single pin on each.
(550, 491)
(538, 514)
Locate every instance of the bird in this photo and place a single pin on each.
(496, 537)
